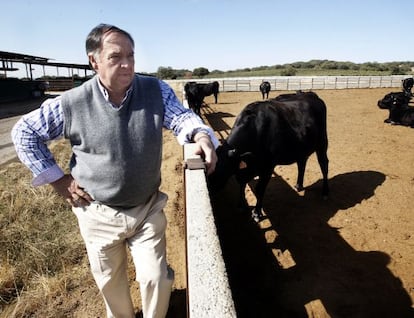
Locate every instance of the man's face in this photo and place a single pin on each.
(115, 63)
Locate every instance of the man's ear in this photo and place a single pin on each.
(92, 61)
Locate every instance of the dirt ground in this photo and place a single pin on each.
(349, 256)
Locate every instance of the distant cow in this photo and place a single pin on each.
(400, 113)
(269, 133)
(408, 85)
(265, 89)
(195, 93)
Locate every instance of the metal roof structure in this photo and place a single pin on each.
(9, 58)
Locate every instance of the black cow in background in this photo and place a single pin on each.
(408, 85)
(269, 133)
(195, 93)
(265, 89)
(400, 113)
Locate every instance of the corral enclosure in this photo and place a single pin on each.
(350, 256)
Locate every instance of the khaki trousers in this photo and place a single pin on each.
(106, 232)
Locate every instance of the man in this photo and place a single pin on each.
(114, 123)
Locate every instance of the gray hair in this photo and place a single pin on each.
(94, 38)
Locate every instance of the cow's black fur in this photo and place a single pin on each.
(407, 84)
(400, 113)
(265, 89)
(195, 93)
(269, 133)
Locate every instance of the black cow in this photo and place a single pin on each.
(408, 85)
(284, 97)
(195, 93)
(269, 133)
(400, 113)
(265, 89)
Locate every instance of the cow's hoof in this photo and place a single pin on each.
(256, 216)
(299, 188)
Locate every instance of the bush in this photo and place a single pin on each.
(289, 71)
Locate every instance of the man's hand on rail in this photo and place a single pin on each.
(206, 150)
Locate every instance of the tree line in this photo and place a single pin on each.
(313, 67)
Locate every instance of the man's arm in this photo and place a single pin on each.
(188, 127)
(30, 136)
(182, 121)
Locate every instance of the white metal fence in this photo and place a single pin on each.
(251, 84)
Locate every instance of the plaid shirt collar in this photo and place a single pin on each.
(105, 94)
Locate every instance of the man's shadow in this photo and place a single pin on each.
(325, 268)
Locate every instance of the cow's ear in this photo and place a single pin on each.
(247, 156)
(242, 165)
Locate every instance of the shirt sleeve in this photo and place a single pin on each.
(31, 135)
(182, 121)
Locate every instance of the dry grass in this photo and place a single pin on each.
(39, 243)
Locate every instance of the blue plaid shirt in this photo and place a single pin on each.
(34, 130)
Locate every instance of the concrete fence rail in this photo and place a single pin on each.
(208, 290)
(251, 84)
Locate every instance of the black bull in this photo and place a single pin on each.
(265, 88)
(269, 133)
(400, 113)
(195, 93)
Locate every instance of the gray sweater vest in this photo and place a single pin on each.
(116, 152)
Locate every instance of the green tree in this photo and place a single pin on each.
(166, 72)
(200, 72)
(288, 71)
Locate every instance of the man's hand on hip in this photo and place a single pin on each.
(69, 189)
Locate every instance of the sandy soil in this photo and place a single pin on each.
(349, 256)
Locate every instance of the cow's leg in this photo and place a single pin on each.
(301, 173)
(215, 98)
(198, 108)
(242, 196)
(324, 164)
(260, 189)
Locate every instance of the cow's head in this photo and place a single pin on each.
(393, 100)
(231, 162)
(190, 88)
(408, 84)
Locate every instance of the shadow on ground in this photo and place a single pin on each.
(326, 269)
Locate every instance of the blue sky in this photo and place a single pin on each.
(216, 34)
